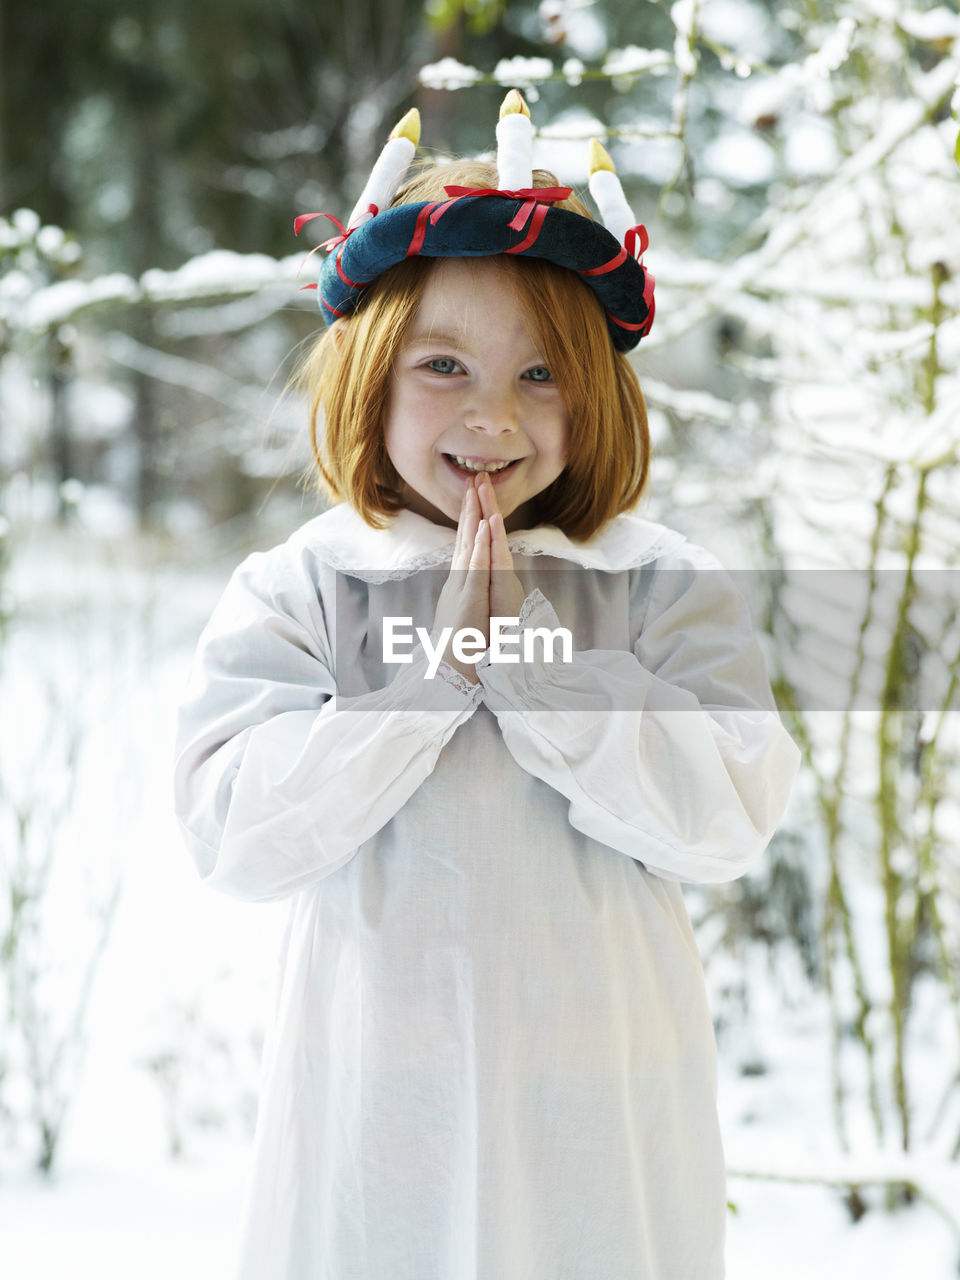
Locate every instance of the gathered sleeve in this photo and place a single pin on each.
(278, 780)
(674, 753)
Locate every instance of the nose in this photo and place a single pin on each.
(493, 410)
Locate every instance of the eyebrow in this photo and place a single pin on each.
(435, 339)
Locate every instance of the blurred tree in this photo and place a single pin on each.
(156, 133)
(203, 104)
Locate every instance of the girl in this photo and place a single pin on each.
(492, 1057)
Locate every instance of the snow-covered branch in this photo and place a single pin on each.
(214, 275)
(620, 65)
(745, 273)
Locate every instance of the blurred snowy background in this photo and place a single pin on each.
(796, 166)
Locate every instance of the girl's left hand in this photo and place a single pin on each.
(506, 590)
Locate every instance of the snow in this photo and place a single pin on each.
(764, 98)
(834, 49)
(448, 73)
(739, 25)
(575, 24)
(633, 61)
(219, 273)
(684, 16)
(60, 302)
(214, 273)
(103, 1221)
(768, 95)
(810, 148)
(573, 70)
(50, 241)
(739, 159)
(935, 25)
(522, 72)
(26, 222)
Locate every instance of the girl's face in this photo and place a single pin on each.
(469, 391)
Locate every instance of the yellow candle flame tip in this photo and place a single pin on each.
(409, 127)
(513, 105)
(599, 157)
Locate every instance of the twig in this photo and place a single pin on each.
(856, 1177)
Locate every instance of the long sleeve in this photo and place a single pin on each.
(278, 780)
(673, 754)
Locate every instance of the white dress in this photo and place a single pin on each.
(492, 1057)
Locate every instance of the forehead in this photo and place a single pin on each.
(465, 295)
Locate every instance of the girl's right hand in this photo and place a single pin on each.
(465, 598)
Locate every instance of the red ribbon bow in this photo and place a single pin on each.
(532, 211)
(530, 195)
(333, 242)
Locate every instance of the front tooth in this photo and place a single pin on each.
(473, 466)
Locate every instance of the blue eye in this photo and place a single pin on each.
(443, 364)
(540, 373)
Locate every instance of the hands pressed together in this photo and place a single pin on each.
(482, 582)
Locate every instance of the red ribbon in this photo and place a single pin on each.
(533, 211)
(635, 245)
(606, 267)
(531, 197)
(430, 212)
(332, 243)
(309, 217)
(303, 219)
(630, 240)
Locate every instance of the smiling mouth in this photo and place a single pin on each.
(474, 466)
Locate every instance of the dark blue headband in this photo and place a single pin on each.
(473, 223)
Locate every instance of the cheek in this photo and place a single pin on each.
(409, 413)
(409, 432)
(397, 416)
(562, 438)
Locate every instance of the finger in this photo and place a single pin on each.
(501, 556)
(486, 496)
(471, 519)
(466, 528)
(480, 559)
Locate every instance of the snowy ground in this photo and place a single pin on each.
(188, 971)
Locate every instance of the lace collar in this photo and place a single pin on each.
(410, 543)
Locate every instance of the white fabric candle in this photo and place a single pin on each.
(615, 213)
(385, 177)
(515, 151)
